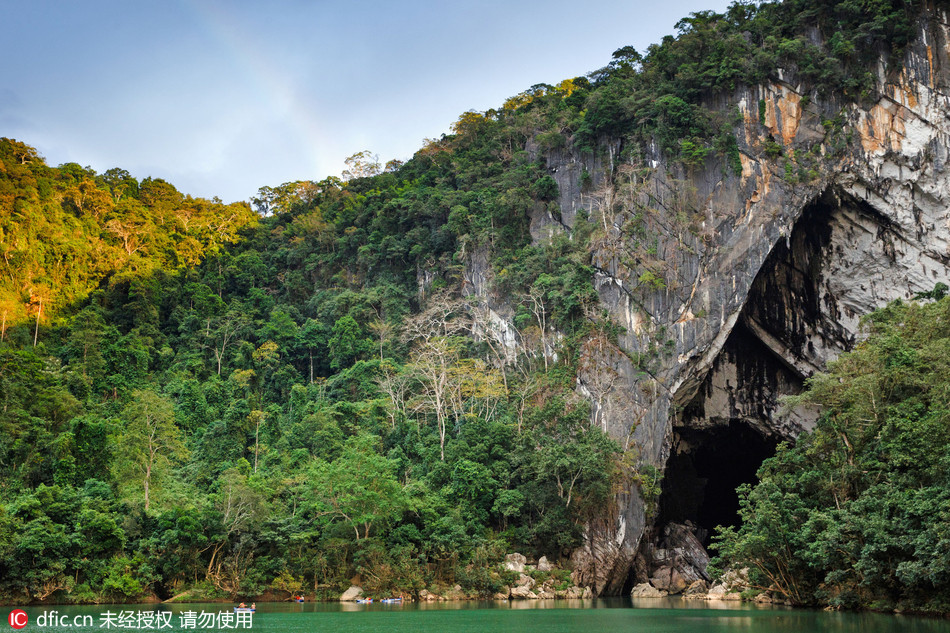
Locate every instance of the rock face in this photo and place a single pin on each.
(426, 596)
(646, 590)
(696, 590)
(675, 560)
(730, 586)
(526, 581)
(756, 279)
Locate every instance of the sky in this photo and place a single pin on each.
(222, 97)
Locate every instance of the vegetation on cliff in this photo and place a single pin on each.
(65, 229)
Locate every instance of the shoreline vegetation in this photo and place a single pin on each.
(307, 393)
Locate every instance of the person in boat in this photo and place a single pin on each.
(242, 606)
(253, 606)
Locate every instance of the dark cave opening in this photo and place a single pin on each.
(698, 492)
(705, 467)
(162, 591)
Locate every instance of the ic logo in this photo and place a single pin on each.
(18, 618)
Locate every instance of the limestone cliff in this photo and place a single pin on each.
(734, 287)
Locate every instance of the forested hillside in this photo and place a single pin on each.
(197, 397)
(66, 229)
(294, 410)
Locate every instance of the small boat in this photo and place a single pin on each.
(391, 600)
(244, 610)
(298, 599)
(364, 601)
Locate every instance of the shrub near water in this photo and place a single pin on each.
(857, 513)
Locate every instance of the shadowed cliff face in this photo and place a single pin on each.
(797, 315)
(759, 279)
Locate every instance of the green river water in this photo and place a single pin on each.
(591, 616)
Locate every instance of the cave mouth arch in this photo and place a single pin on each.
(732, 419)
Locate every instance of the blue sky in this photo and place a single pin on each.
(223, 97)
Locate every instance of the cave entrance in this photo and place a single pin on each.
(705, 467)
(162, 591)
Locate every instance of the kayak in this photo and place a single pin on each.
(243, 610)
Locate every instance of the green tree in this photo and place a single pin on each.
(150, 442)
(348, 343)
(85, 345)
(239, 508)
(359, 488)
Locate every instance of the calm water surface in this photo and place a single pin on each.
(555, 616)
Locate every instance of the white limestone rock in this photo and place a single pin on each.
(646, 590)
(352, 594)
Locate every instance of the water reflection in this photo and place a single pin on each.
(520, 605)
(715, 605)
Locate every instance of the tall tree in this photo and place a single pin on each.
(433, 364)
(151, 440)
